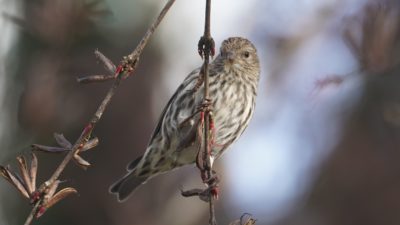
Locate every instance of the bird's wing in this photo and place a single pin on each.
(190, 79)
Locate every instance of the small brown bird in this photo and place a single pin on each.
(233, 83)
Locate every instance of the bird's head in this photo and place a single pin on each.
(239, 54)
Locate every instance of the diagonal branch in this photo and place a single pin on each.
(129, 62)
(127, 66)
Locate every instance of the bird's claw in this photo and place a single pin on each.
(206, 46)
(206, 105)
(212, 189)
(212, 182)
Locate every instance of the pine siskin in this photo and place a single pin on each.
(233, 83)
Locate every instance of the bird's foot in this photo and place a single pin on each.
(213, 185)
(203, 194)
(206, 46)
(211, 191)
(206, 105)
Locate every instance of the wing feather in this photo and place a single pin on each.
(190, 79)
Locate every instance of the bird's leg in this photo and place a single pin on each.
(199, 82)
(213, 142)
(211, 181)
(199, 157)
(208, 175)
(206, 105)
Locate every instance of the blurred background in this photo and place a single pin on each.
(322, 148)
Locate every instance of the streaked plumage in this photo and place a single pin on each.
(233, 82)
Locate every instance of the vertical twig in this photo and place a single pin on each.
(208, 50)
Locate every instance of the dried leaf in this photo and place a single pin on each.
(51, 198)
(23, 167)
(90, 144)
(60, 196)
(14, 180)
(4, 173)
(81, 162)
(43, 148)
(33, 170)
(62, 141)
(52, 189)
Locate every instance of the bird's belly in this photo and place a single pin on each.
(230, 118)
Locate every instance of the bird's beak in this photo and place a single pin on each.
(230, 56)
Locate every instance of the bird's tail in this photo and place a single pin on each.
(124, 187)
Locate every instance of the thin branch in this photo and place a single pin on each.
(94, 78)
(108, 64)
(207, 49)
(129, 62)
(118, 74)
(32, 214)
(138, 50)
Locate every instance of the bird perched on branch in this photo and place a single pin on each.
(233, 83)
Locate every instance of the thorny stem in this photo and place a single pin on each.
(84, 137)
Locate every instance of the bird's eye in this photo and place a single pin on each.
(246, 54)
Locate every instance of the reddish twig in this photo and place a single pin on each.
(206, 48)
(127, 67)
